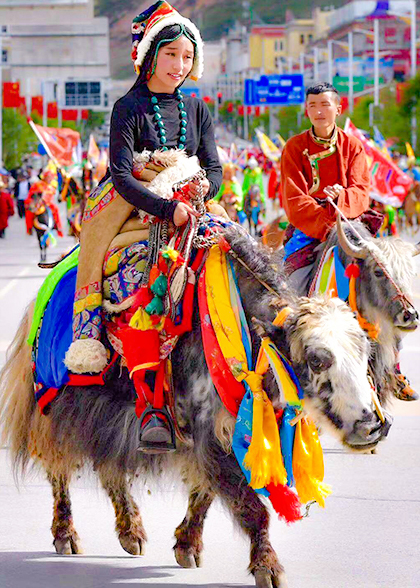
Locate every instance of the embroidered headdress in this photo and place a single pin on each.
(149, 23)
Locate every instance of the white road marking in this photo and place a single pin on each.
(15, 282)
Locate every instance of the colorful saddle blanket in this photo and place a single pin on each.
(331, 277)
(51, 330)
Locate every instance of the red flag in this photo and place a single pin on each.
(11, 95)
(69, 114)
(390, 184)
(52, 110)
(37, 105)
(60, 142)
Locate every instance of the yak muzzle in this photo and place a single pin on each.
(407, 319)
(366, 434)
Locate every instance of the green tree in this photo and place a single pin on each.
(292, 121)
(18, 138)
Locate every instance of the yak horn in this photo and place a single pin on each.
(417, 250)
(347, 246)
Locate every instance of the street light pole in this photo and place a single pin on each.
(413, 71)
(376, 62)
(1, 100)
(330, 61)
(413, 39)
(316, 68)
(351, 93)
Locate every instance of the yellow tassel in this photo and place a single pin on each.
(308, 464)
(170, 253)
(263, 458)
(142, 321)
(287, 385)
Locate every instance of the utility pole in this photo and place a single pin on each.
(316, 64)
(351, 94)
(1, 99)
(44, 104)
(330, 61)
(413, 45)
(246, 129)
(302, 65)
(376, 62)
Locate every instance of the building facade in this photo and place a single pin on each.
(394, 32)
(52, 40)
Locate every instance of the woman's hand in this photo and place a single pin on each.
(194, 188)
(182, 212)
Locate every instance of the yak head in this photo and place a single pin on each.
(384, 286)
(329, 353)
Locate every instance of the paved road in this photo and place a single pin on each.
(367, 537)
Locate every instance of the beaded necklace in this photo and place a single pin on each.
(157, 119)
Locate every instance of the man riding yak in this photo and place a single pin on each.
(322, 162)
(155, 120)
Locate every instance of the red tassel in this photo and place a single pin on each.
(142, 298)
(163, 266)
(223, 244)
(285, 502)
(154, 274)
(352, 271)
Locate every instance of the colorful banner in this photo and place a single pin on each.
(101, 167)
(270, 150)
(93, 150)
(59, 143)
(390, 185)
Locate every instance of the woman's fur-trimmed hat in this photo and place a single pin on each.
(149, 23)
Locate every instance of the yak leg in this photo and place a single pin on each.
(66, 539)
(128, 521)
(189, 534)
(253, 518)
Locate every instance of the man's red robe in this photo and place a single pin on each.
(347, 166)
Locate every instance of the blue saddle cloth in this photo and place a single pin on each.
(55, 336)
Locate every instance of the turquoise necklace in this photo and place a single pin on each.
(157, 119)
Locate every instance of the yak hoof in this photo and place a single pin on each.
(186, 559)
(68, 546)
(132, 545)
(265, 579)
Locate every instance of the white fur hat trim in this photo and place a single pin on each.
(145, 44)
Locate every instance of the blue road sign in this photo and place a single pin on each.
(275, 90)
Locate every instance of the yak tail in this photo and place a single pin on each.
(17, 399)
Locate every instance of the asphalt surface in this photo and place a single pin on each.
(366, 537)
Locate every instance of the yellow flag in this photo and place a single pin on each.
(410, 153)
(267, 146)
(280, 140)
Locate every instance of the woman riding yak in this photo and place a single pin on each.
(154, 116)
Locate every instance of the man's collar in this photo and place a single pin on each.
(324, 142)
